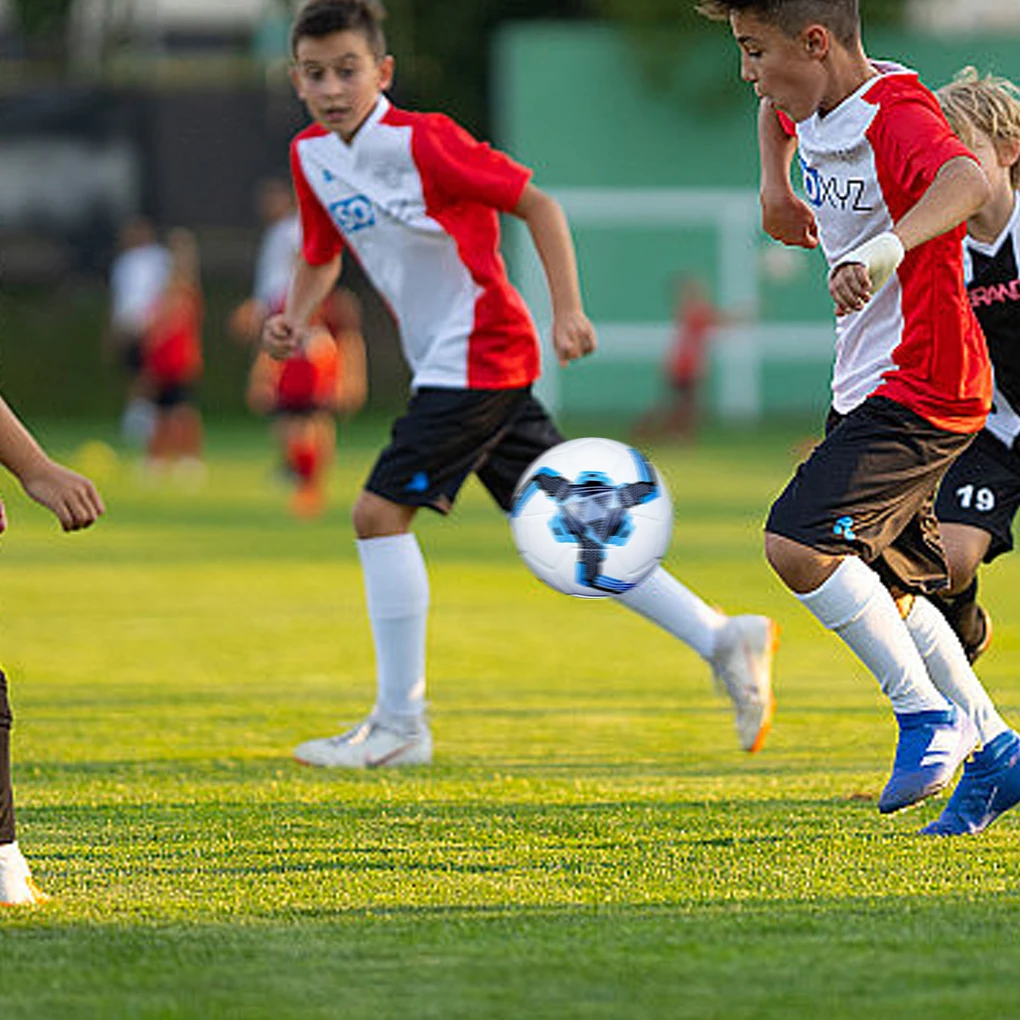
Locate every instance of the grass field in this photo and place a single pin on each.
(589, 842)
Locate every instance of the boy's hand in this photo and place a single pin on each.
(573, 336)
(3, 517)
(72, 497)
(865, 271)
(786, 218)
(850, 287)
(281, 338)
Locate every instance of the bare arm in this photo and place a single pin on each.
(70, 496)
(283, 334)
(959, 190)
(784, 216)
(573, 335)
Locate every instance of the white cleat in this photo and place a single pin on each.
(742, 667)
(17, 887)
(369, 745)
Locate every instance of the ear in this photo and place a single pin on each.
(386, 68)
(295, 79)
(816, 41)
(1008, 152)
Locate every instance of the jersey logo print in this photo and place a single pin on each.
(845, 195)
(353, 214)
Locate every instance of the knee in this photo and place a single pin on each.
(375, 517)
(798, 566)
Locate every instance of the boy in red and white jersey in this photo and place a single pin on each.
(888, 188)
(416, 200)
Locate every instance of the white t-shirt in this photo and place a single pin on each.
(137, 278)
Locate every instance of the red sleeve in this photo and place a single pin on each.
(458, 168)
(914, 141)
(320, 240)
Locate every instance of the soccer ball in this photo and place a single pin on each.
(591, 517)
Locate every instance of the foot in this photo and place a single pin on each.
(742, 667)
(931, 745)
(369, 745)
(17, 887)
(976, 649)
(989, 786)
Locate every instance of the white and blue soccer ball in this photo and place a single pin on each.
(592, 517)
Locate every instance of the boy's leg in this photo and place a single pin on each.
(433, 449)
(16, 885)
(739, 649)
(864, 495)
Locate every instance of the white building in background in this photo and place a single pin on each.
(965, 15)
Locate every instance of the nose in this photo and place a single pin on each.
(746, 73)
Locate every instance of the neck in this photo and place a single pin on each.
(848, 71)
(988, 223)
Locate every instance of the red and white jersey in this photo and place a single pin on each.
(865, 164)
(415, 198)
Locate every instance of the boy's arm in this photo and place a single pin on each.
(283, 335)
(784, 216)
(70, 496)
(959, 190)
(573, 335)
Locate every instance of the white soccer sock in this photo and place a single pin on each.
(855, 604)
(949, 669)
(662, 599)
(397, 592)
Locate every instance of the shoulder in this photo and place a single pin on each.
(308, 134)
(432, 125)
(900, 87)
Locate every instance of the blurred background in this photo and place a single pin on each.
(630, 111)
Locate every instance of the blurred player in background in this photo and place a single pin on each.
(76, 504)
(172, 361)
(325, 379)
(137, 277)
(854, 535)
(417, 199)
(696, 319)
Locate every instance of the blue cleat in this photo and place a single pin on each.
(989, 786)
(931, 746)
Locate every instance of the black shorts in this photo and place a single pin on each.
(868, 490)
(170, 395)
(447, 434)
(982, 489)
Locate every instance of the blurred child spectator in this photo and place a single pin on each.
(696, 320)
(326, 378)
(305, 393)
(172, 359)
(137, 277)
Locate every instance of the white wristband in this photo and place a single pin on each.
(881, 257)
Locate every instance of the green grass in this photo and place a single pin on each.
(589, 842)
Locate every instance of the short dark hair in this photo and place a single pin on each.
(318, 18)
(841, 17)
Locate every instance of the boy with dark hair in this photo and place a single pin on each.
(416, 200)
(76, 504)
(853, 535)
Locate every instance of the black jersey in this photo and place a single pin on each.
(993, 282)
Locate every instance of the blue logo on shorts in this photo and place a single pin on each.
(844, 528)
(419, 483)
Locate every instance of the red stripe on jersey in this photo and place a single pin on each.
(464, 183)
(942, 369)
(321, 242)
